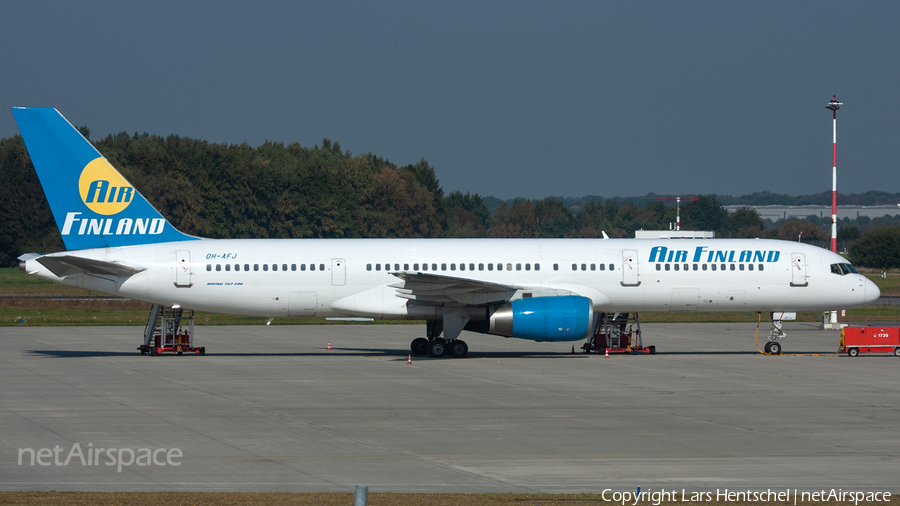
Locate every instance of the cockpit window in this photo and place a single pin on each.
(843, 269)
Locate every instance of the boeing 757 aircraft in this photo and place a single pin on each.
(537, 289)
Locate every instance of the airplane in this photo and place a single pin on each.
(536, 289)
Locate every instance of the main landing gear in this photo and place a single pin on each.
(436, 346)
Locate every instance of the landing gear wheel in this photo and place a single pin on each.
(437, 348)
(855, 351)
(774, 348)
(767, 348)
(419, 346)
(458, 348)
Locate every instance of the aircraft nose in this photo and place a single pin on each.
(871, 291)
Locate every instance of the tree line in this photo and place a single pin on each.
(290, 191)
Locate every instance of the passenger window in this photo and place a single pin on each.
(612, 267)
(713, 266)
(499, 267)
(704, 267)
(518, 267)
(490, 267)
(462, 267)
(368, 267)
(509, 267)
(256, 267)
(686, 267)
(583, 267)
(284, 267)
(424, 267)
(266, 267)
(603, 267)
(741, 267)
(593, 267)
(537, 267)
(696, 267)
(274, 267)
(555, 267)
(293, 267)
(750, 266)
(246, 267)
(760, 266)
(321, 267)
(303, 267)
(677, 267)
(405, 267)
(723, 267)
(452, 267)
(415, 267)
(658, 267)
(480, 267)
(228, 267)
(209, 267)
(434, 267)
(471, 267)
(312, 267)
(218, 267)
(667, 266)
(732, 266)
(377, 267)
(527, 267)
(574, 267)
(396, 267)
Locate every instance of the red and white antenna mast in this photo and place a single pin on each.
(834, 105)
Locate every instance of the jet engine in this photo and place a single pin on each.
(566, 318)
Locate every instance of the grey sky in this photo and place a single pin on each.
(503, 98)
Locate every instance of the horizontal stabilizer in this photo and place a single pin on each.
(67, 265)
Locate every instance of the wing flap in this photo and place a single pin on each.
(436, 289)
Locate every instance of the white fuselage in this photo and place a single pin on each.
(352, 277)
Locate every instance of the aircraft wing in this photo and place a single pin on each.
(66, 265)
(436, 289)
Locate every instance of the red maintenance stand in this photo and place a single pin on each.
(169, 331)
(617, 333)
(856, 340)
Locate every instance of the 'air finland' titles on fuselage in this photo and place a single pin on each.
(664, 254)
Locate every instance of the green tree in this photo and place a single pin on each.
(705, 213)
(744, 222)
(878, 248)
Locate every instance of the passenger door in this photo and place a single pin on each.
(183, 269)
(630, 269)
(799, 276)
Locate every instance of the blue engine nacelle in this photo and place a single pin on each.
(565, 318)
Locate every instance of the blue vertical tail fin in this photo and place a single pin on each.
(94, 206)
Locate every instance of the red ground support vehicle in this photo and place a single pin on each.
(617, 333)
(856, 340)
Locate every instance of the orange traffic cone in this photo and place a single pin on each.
(607, 353)
(573, 349)
(408, 359)
(329, 345)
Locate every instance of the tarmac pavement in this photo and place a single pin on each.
(269, 408)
